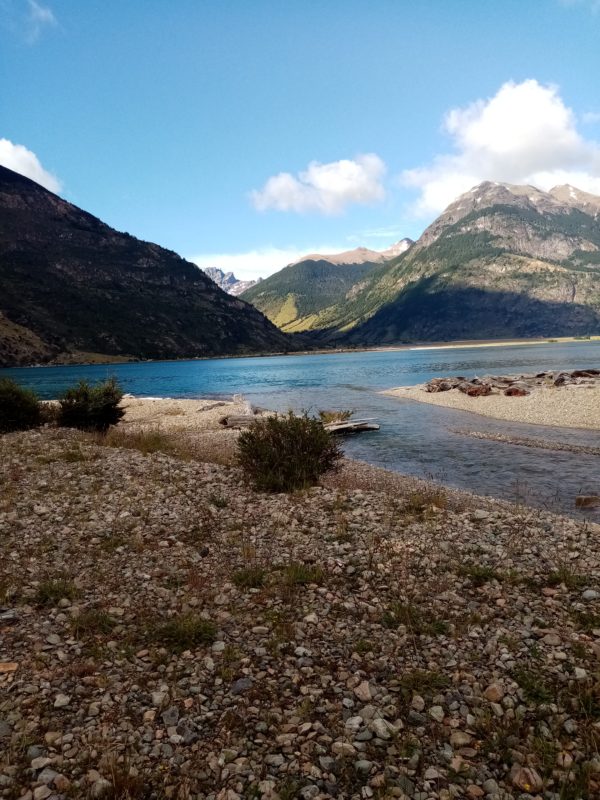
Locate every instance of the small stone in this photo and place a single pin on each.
(418, 703)
(312, 619)
(589, 594)
(494, 693)
(527, 779)
(158, 698)
(363, 692)
(40, 762)
(242, 685)
(170, 716)
(61, 701)
(363, 766)
(437, 713)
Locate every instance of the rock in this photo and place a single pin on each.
(516, 391)
(527, 779)
(437, 713)
(587, 501)
(381, 728)
(417, 702)
(170, 716)
(8, 666)
(62, 701)
(590, 594)
(475, 390)
(363, 692)
(241, 685)
(494, 693)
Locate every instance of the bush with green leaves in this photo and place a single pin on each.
(19, 407)
(284, 453)
(91, 407)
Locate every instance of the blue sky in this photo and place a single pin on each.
(245, 132)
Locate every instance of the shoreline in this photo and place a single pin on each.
(437, 345)
(575, 407)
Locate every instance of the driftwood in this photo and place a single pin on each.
(343, 426)
(351, 426)
(238, 420)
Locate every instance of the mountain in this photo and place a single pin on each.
(75, 289)
(228, 282)
(501, 261)
(300, 296)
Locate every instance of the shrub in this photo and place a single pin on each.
(280, 454)
(91, 408)
(19, 407)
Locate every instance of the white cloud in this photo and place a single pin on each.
(21, 160)
(39, 18)
(259, 263)
(523, 134)
(324, 188)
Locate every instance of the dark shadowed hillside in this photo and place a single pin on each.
(72, 287)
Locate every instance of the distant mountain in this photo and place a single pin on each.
(228, 282)
(72, 288)
(502, 260)
(300, 296)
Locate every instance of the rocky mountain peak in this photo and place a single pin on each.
(228, 281)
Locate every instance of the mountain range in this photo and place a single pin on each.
(300, 296)
(72, 288)
(501, 261)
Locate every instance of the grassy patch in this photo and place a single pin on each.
(413, 618)
(420, 501)
(50, 591)
(423, 682)
(185, 632)
(533, 686)
(146, 441)
(478, 574)
(298, 574)
(566, 576)
(249, 577)
(92, 622)
(334, 416)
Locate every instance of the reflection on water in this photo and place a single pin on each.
(415, 438)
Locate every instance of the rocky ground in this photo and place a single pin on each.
(165, 632)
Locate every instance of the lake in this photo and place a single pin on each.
(415, 438)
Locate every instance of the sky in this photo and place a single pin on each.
(245, 133)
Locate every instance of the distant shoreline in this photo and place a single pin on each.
(452, 345)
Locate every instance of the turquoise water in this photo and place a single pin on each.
(415, 438)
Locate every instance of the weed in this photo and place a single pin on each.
(92, 621)
(420, 501)
(422, 682)
(478, 574)
(184, 632)
(532, 684)
(334, 416)
(298, 574)
(50, 591)
(218, 501)
(249, 577)
(566, 576)
(413, 618)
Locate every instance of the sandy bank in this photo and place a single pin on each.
(565, 406)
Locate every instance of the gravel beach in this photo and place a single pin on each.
(565, 406)
(167, 632)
